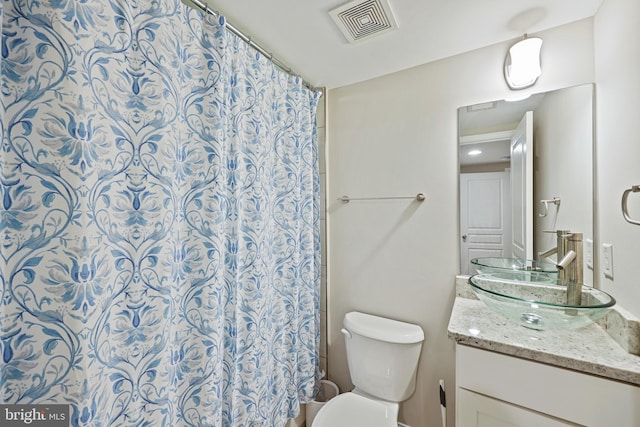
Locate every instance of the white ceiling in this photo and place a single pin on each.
(301, 33)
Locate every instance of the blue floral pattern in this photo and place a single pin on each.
(159, 218)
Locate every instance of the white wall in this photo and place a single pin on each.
(617, 59)
(395, 136)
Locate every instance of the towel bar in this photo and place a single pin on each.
(419, 197)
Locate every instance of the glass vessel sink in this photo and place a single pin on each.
(499, 264)
(540, 302)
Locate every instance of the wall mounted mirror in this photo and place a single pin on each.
(526, 170)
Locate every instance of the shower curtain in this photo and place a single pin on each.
(159, 220)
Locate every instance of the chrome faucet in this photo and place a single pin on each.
(559, 244)
(569, 255)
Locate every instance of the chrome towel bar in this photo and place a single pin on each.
(625, 210)
(419, 197)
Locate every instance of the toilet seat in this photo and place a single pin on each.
(353, 410)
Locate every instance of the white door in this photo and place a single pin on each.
(522, 188)
(484, 217)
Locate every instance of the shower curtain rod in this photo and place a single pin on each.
(205, 8)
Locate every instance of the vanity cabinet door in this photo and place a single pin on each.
(505, 387)
(477, 410)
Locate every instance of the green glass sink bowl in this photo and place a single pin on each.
(537, 302)
(500, 264)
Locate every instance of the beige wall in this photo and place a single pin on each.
(395, 136)
(617, 59)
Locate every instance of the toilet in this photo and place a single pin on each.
(383, 359)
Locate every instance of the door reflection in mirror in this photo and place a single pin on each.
(560, 163)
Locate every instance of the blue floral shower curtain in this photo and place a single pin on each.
(160, 219)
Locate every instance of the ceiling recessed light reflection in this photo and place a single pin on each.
(474, 152)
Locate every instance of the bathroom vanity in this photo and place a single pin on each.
(509, 375)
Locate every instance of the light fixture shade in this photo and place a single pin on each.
(522, 64)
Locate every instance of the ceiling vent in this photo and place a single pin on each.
(358, 20)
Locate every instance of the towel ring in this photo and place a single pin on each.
(555, 201)
(625, 210)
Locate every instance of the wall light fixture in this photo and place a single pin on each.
(522, 64)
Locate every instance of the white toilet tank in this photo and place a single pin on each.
(382, 355)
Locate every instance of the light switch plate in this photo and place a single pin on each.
(588, 253)
(607, 260)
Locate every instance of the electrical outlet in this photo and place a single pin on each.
(588, 253)
(607, 260)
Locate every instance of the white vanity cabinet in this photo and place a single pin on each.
(496, 390)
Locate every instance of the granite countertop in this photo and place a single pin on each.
(590, 349)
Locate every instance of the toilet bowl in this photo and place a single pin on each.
(352, 410)
(382, 355)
